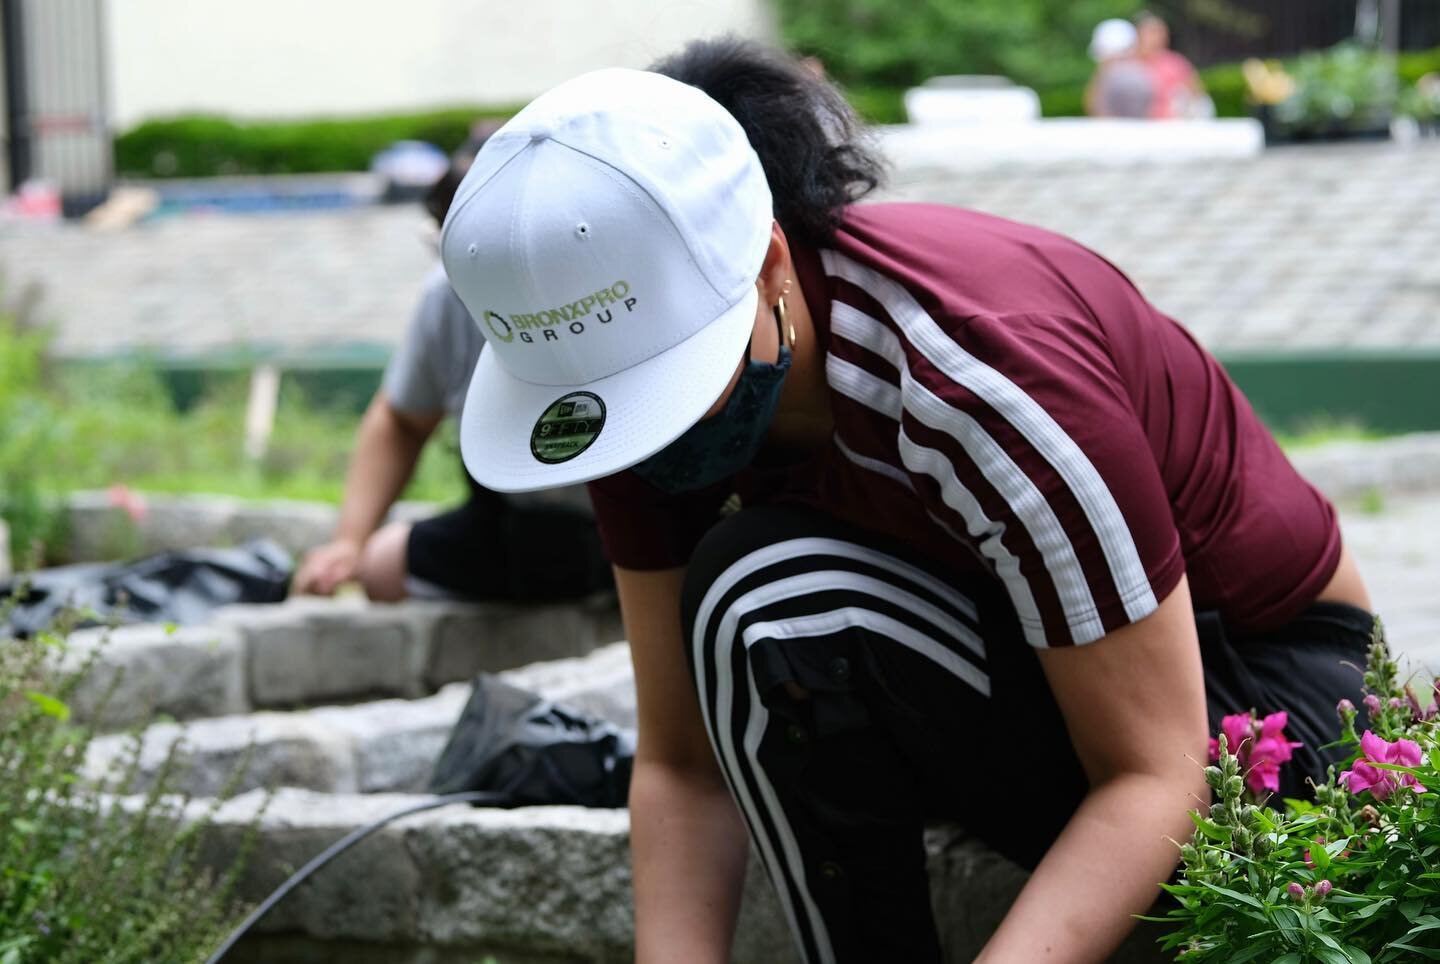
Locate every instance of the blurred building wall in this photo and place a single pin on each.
(276, 58)
(53, 60)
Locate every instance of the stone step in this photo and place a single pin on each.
(98, 529)
(534, 884)
(311, 651)
(375, 747)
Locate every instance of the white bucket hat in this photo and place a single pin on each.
(607, 241)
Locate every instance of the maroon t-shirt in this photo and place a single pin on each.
(1007, 403)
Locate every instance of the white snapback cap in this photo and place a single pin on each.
(607, 240)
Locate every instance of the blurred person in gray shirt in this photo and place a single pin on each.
(1122, 85)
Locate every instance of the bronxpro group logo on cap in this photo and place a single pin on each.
(498, 326)
(550, 324)
(567, 427)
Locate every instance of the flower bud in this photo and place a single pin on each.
(1214, 777)
(1323, 888)
(1296, 891)
(1372, 704)
(1233, 786)
(1345, 710)
(1396, 703)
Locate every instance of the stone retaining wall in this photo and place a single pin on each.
(543, 884)
(309, 651)
(99, 530)
(536, 884)
(384, 746)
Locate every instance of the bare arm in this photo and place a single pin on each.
(386, 449)
(1134, 703)
(688, 844)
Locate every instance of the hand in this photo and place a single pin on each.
(327, 566)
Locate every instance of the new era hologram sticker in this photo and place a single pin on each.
(567, 427)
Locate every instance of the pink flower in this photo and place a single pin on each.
(1260, 746)
(129, 501)
(1237, 728)
(1323, 888)
(1270, 750)
(1381, 783)
(1296, 891)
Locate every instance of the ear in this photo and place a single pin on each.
(777, 269)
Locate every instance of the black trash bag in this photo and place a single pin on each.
(533, 752)
(182, 587)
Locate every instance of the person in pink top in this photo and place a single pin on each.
(1178, 91)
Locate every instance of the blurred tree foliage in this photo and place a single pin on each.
(889, 43)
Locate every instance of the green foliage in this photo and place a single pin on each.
(201, 146)
(1352, 877)
(1348, 87)
(878, 43)
(878, 105)
(1416, 64)
(1226, 86)
(84, 878)
(69, 428)
(27, 415)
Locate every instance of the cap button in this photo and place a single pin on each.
(541, 134)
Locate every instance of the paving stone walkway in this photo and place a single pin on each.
(1398, 549)
(1304, 247)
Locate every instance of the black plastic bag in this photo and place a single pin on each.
(182, 587)
(534, 751)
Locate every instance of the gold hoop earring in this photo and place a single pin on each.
(781, 318)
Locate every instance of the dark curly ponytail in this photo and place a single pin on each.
(808, 139)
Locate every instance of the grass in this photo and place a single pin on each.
(69, 428)
(123, 429)
(1325, 432)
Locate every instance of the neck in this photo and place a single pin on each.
(803, 419)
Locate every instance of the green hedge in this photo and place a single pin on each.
(1224, 82)
(1226, 85)
(881, 43)
(1416, 64)
(203, 146)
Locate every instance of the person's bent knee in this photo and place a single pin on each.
(735, 538)
(382, 567)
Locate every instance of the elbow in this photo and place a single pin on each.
(664, 774)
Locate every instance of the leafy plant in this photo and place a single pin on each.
(1352, 878)
(1347, 87)
(881, 43)
(27, 442)
(97, 426)
(89, 873)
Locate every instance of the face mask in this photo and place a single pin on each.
(720, 446)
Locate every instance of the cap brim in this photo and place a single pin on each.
(646, 407)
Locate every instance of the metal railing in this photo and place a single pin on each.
(53, 59)
(1214, 31)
